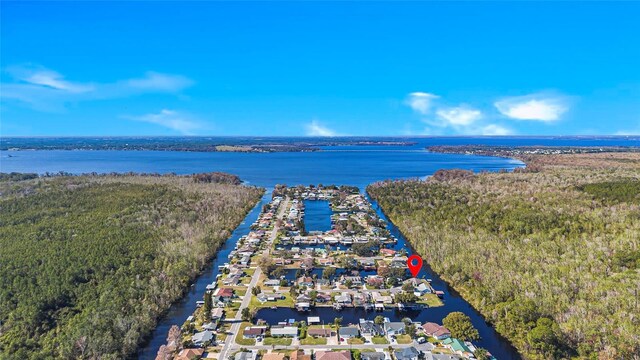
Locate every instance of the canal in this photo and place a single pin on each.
(178, 312)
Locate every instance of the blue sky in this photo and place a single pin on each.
(319, 68)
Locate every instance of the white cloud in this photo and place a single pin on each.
(494, 130)
(459, 116)
(48, 90)
(420, 102)
(314, 128)
(161, 82)
(170, 119)
(538, 107)
(49, 78)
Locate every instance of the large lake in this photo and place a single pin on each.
(348, 165)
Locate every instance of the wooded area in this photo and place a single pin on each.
(89, 263)
(550, 256)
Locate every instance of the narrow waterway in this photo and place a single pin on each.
(179, 311)
(491, 340)
(182, 309)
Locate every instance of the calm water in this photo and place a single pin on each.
(348, 165)
(317, 215)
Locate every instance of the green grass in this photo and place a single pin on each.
(404, 339)
(277, 341)
(310, 340)
(379, 340)
(287, 302)
(242, 341)
(432, 300)
(355, 341)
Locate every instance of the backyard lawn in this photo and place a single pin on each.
(242, 341)
(277, 341)
(379, 340)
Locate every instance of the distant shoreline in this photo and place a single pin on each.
(245, 145)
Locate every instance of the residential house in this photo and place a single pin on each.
(307, 263)
(376, 281)
(347, 332)
(245, 355)
(394, 328)
(445, 357)
(372, 356)
(299, 355)
(387, 252)
(320, 332)
(217, 313)
(252, 332)
(202, 338)
(343, 299)
(272, 282)
(323, 298)
(285, 331)
(303, 298)
(305, 281)
(457, 346)
(189, 354)
(273, 356)
(225, 294)
(355, 280)
(437, 331)
(368, 327)
(333, 355)
(408, 353)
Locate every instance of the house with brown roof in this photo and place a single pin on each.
(299, 355)
(273, 356)
(333, 355)
(253, 332)
(189, 354)
(320, 332)
(437, 331)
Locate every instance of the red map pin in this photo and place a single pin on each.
(414, 262)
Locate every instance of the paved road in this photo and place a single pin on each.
(230, 341)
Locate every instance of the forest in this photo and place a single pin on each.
(89, 263)
(549, 254)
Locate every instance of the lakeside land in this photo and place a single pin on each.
(549, 253)
(328, 268)
(196, 144)
(88, 263)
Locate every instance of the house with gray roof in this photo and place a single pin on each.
(409, 353)
(202, 338)
(372, 356)
(394, 328)
(347, 332)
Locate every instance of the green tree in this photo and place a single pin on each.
(337, 321)
(246, 314)
(206, 308)
(543, 337)
(379, 320)
(328, 272)
(481, 354)
(460, 326)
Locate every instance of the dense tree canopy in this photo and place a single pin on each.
(551, 257)
(87, 264)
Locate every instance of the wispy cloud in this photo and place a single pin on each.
(160, 82)
(314, 128)
(47, 90)
(421, 102)
(459, 116)
(539, 107)
(170, 119)
(495, 130)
